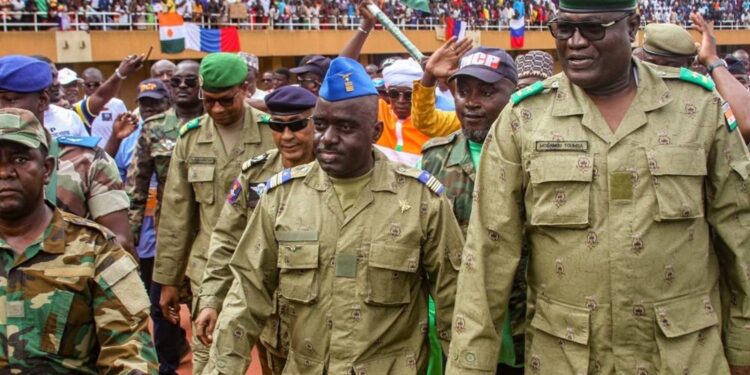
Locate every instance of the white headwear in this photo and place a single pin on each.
(66, 76)
(402, 73)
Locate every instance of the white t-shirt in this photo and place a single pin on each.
(102, 125)
(259, 94)
(63, 122)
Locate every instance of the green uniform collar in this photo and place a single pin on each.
(460, 155)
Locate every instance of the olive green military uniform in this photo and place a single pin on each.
(353, 286)
(199, 177)
(241, 201)
(72, 302)
(629, 233)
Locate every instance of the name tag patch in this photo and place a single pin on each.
(579, 146)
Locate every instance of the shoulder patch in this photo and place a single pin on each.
(527, 92)
(234, 192)
(85, 142)
(424, 177)
(439, 141)
(255, 161)
(287, 175)
(688, 75)
(264, 118)
(159, 116)
(190, 125)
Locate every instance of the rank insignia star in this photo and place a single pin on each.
(404, 205)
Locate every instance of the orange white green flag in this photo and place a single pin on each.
(171, 33)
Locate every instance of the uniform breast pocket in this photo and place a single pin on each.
(201, 176)
(391, 272)
(678, 174)
(298, 276)
(561, 190)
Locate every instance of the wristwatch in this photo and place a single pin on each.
(716, 64)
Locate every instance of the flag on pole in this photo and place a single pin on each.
(171, 33)
(422, 5)
(211, 40)
(455, 28)
(517, 28)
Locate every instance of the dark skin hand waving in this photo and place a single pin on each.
(344, 134)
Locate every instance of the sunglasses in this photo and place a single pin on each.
(303, 81)
(294, 126)
(189, 81)
(592, 31)
(92, 85)
(224, 102)
(395, 94)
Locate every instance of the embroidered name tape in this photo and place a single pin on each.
(581, 146)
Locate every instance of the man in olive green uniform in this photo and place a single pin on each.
(290, 109)
(205, 161)
(70, 296)
(353, 242)
(622, 177)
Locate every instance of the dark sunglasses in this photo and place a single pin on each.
(225, 102)
(395, 94)
(294, 126)
(189, 81)
(92, 85)
(592, 31)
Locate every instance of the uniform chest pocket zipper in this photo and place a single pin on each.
(560, 190)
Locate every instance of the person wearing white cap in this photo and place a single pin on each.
(69, 82)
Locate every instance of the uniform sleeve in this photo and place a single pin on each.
(429, 120)
(491, 254)
(442, 260)
(82, 109)
(250, 299)
(175, 235)
(105, 194)
(139, 180)
(217, 278)
(121, 310)
(729, 215)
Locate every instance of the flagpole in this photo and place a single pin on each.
(393, 29)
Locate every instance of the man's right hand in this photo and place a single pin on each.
(125, 124)
(205, 325)
(445, 61)
(169, 301)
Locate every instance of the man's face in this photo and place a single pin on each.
(267, 80)
(310, 82)
(71, 92)
(372, 71)
(251, 82)
(55, 91)
(597, 64)
(35, 103)
(743, 56)
(743, 79)
(151, 107)
(675, 62)
(91, 83)
(527, 81)
(344, 134)
(23, 173)
(279, 80)
(184, 84)
(400, 101)
(163, 72)
(478, 104)
(226, 107)
(295, 146)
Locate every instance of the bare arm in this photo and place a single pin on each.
(109, 89)
(366, 23)
(118, 223)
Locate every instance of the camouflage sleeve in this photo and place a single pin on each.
(441, 257)
(174, 236)
(729, 215)
(121, 310)
(139, 180)
(105, 194)
(491, 254)
(250, 299)
(217, 278)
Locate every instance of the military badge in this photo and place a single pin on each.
(729, 117)
(254, 193)
(234, 192)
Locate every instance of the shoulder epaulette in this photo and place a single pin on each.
(527, 92)
(155, 117)
(85, 142)
(688, 75)
(264, 118)
(255, 161)
(190, 125)
(287, 175)
(439, 141)
(424, 177)
(77, 220)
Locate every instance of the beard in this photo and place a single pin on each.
(475, 135)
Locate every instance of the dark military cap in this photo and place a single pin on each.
(24, 74)
(289, 100)
(595, 6)
(666, 39)
(152, 88)
(316, 64)
(21, 126)
(487, 65)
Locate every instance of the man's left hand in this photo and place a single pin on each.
(131, 64)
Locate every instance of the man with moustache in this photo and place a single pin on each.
(206, 159)
(628, 184)
(353, 243)
(291, 110)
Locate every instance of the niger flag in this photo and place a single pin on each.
(171, 33)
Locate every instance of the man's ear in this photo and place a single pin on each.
(50, 164)
(634, 24)
(377, 131)
(44, 101)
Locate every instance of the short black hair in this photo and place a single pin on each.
(284, 72)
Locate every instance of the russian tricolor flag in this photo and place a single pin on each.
(455, 28)
(517, 29)
(211, 40)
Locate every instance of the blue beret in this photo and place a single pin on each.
(346, 79)
(24, 74)
(289, 100)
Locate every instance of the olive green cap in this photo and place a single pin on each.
(221, 71)
(590, 6)
(21, 126)
(666, 39)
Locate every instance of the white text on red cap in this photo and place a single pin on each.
(481, 58)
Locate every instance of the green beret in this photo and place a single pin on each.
(594, 6)
(666, 39)
(221, 71)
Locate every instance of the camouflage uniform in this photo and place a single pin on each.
(151, 156)
(88, 182)
(73, 303)
(354, 285)
(630, 233)
(241, 201)
(449, 160)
